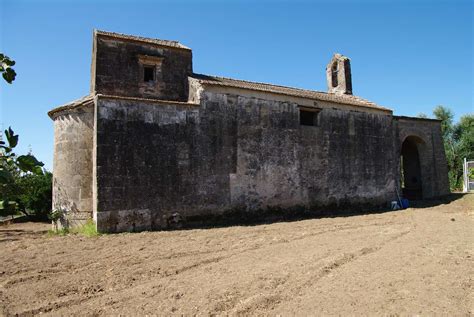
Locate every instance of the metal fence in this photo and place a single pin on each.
(468, 176)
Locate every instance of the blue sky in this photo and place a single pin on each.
(406, 55)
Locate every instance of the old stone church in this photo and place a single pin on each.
(154, 140)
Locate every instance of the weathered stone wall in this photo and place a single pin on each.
(72, 165)
(151, 145)
(344, 160)
(433, 166)
(155, 159)
(117, 69)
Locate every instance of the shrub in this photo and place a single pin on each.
(35, 198)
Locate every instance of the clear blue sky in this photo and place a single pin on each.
(407, 55)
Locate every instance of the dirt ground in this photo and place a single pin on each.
(416, 261)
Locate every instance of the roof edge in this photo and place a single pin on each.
(149, 40)
(208, 80)
(151, 100)
(84, 101)
(416, 118)
(210, 77)
(90, 99)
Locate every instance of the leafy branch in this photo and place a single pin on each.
(6, 69)
(10, 166)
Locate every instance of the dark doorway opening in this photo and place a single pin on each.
(410, 169)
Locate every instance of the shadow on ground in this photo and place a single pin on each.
(428, 203)
(263, 217)
(8, 234)
(274, 215)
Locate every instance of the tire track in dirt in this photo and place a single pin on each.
(86, 267)
(263, 302)
(258, 302)
(55, 305)
(325, 265)
(214, 260)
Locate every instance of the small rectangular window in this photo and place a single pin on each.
(148, 73)
(309, 118)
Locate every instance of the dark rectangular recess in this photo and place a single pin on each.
(309, 118)
(148, 73)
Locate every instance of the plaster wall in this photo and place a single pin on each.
(72, 164)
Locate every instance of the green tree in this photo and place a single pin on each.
(458, 142)
(464, 133)
(12, 167)
(446, 116)
(35, 195)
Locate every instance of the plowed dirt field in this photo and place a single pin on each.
(415, 261)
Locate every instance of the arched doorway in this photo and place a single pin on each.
(411, 181)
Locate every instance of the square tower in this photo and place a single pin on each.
(132, 66)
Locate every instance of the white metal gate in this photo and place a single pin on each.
(468, 176)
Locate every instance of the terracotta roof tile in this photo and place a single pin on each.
(289, 91)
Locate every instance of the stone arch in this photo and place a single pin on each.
(414, 131)
(412, 152)
(430, 148)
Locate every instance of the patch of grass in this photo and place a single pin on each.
(88, 230)
(58, 232)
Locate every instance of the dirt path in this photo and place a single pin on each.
(417, 261)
